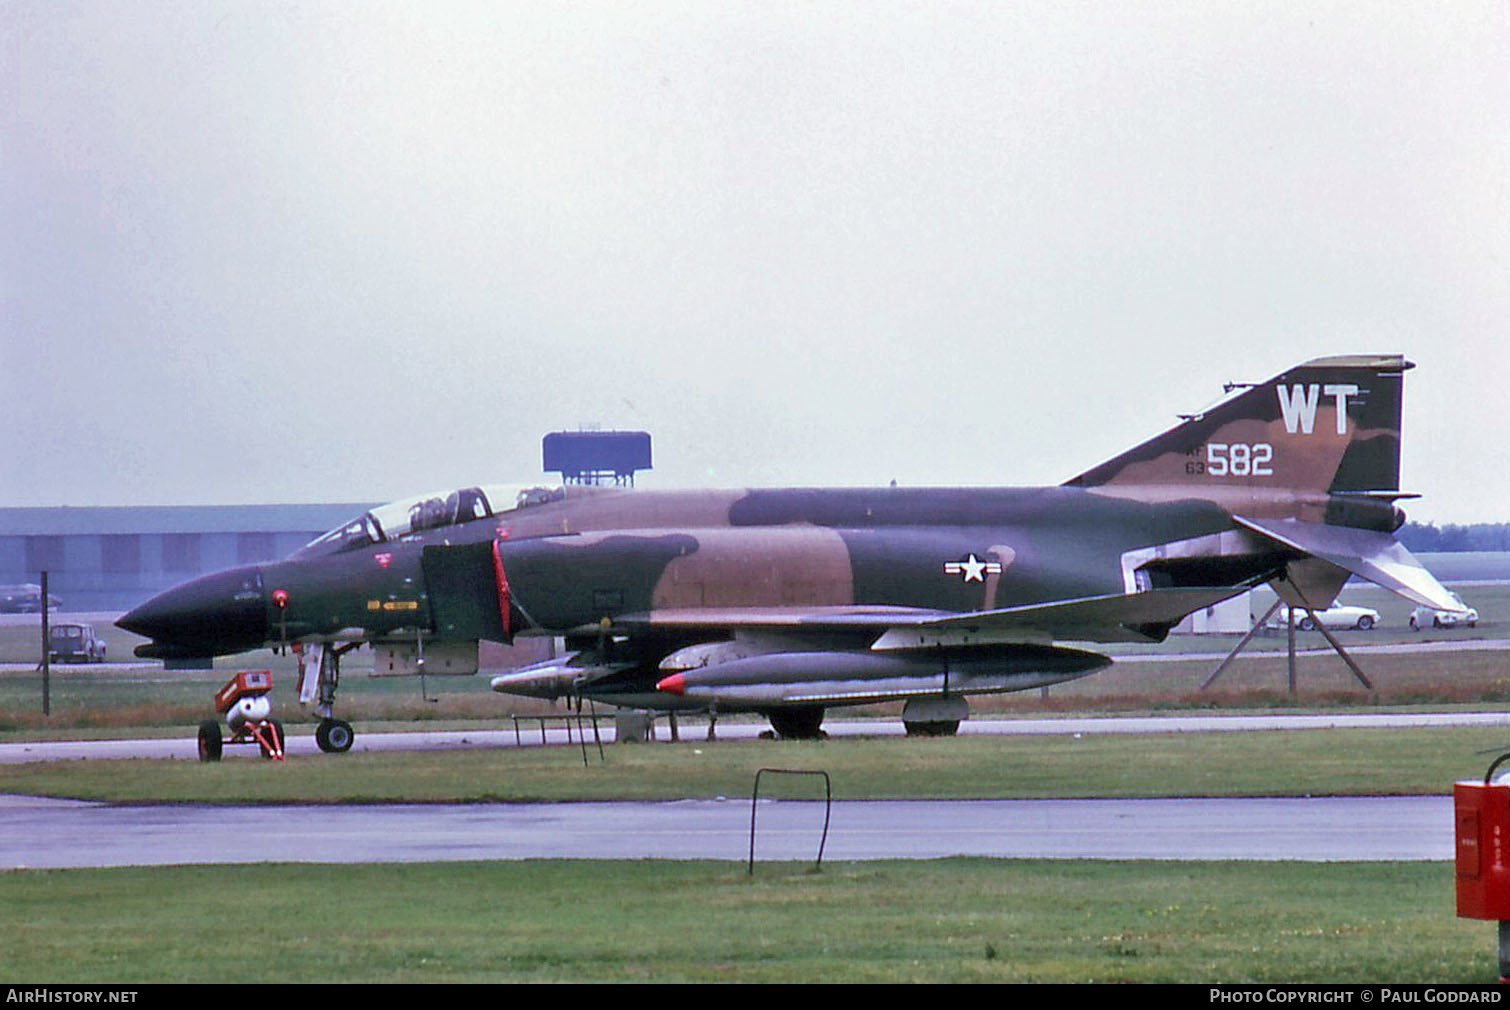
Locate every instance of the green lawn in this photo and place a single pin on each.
(1311, 762)
(956, 920)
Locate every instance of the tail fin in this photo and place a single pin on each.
(1329, 426)
(1309, 462)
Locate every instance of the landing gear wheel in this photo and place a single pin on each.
(334, 736)
(944, 727)
(210, 742)
(274, 746)
(798, 723)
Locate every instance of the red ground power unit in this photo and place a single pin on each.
(248, 683)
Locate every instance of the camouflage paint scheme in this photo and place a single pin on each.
(786, 601)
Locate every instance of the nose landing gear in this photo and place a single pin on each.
(334, 736)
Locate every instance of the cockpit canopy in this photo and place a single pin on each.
(399, 519)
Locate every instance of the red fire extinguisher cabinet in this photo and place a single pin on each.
(1481, 814)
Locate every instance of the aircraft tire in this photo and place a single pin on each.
(210, 742)
(804, 723)
(943, 727)
(334, 736)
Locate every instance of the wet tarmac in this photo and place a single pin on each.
(39, 833)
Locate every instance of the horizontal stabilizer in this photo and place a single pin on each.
(1377, 557)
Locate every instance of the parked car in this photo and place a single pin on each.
(1361, 618)
(75, 643)
(1422, 616)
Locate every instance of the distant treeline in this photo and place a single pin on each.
(1429, 537)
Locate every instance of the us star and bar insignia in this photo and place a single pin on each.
(972, 568)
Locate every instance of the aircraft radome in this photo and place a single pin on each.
(787, 602)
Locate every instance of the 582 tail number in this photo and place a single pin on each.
(1235, 459)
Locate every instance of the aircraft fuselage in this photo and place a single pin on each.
(599, 554)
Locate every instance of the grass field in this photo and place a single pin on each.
(1301, 763)
(956, 920)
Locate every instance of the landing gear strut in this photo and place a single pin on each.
(319, 676)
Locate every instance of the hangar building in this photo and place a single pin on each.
(112, 558)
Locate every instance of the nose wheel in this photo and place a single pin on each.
(334, 736)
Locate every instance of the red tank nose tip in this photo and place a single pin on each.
(674, 684)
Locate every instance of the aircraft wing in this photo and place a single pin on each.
(800, 618)
(1139, 617)
(1115, 617)
(1377, 557)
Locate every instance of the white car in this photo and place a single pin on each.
(1422, 616)
(1361, 618)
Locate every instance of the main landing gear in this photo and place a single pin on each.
(798, 722)
(935, 716)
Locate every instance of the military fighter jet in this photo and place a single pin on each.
(788, 602)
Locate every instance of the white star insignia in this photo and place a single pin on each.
(972, 568)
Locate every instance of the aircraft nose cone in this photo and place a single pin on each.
(209, 616)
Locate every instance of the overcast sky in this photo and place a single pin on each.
(275, 252)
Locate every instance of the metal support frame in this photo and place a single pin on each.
(1336, 647)
(1290, 649)
(571, 718)
(828, 807)
(582, 733)
(1239, 647)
